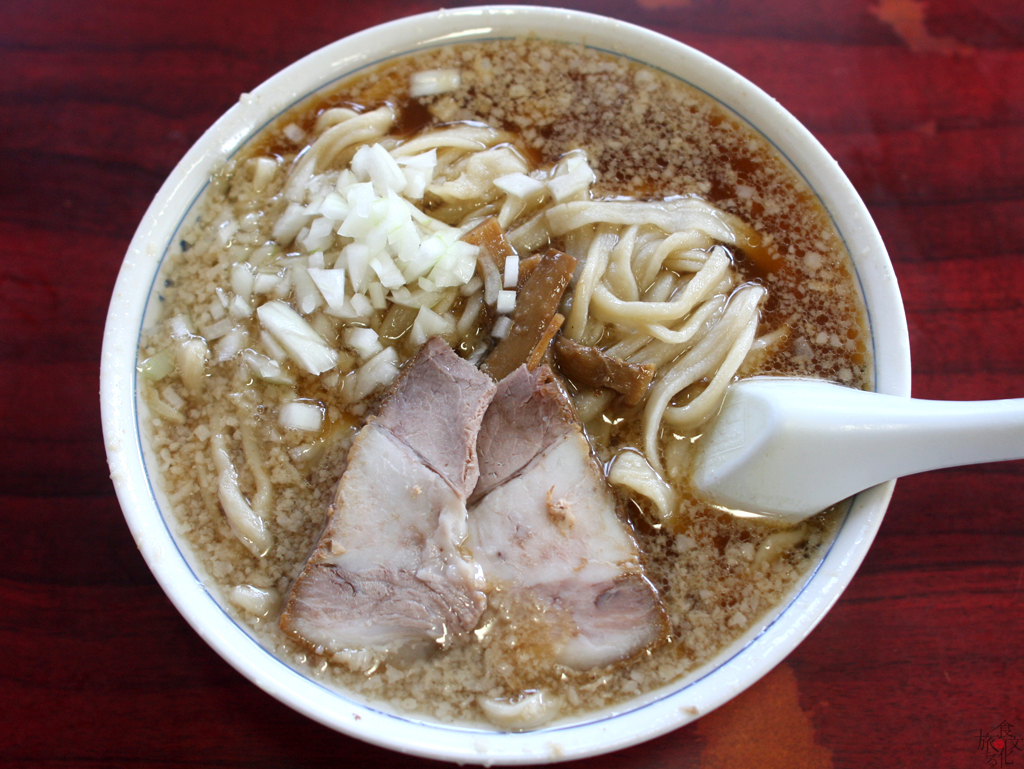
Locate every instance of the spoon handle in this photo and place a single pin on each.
(929, 435)
(792, 448)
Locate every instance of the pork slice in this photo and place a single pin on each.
(436, 407)
(528, 413)
(390, 574)
(551, 532)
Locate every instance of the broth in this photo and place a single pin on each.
(646, 136)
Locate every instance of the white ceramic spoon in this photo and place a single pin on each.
(790, 448)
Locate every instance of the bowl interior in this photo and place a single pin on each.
(147, 511)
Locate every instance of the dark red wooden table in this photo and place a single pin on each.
(921, 102)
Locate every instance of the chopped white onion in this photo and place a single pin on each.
(377, 297)
(226, 230)
(577, 177)
(297, 337)
(242, 280)
(419, 173)
(192, 355)
(172, 399)
(511, 270)
(265, 282)
(216, 308)
(180, 326)
(290, 223)
(519, 185)
(299, 415)
(334, 206)
(364, 341)
(217, 330)
(376, 373)
(267, 369)
(375, 163)
(263, 173)
(274, 350)
(390, 276)
(331, 284)
(506, 302)
(356, 258)
(229, 345)
(293, 133)
(320, 235)
(431, 82)
(456, 266)
(239, 308)
(501, 327)
(427, 324)
(307, 295)
(157, 366)
(362, 306)
(360, 199)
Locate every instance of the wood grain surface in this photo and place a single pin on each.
(922, 104)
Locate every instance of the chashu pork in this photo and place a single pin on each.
(545, 527)
(389, 574)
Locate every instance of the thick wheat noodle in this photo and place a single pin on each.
(760, 348)
(163, 410)
(594, 266)
(718, 344)
(470, 180)
(639, 347)
(470, 314)
(466, 138)
(577, 242)
(663, 287)
(594, 333)
(769, 339)
(669, 216)
(511, 210)
(629, 344)
(264, 495)
(688, 261)
(245, 522)
(531, 235)
(619, 275)
(592, 402)
(332, 117)
(608, 307)
(687, 332)
(514, 207)
(705, 405)
(333, 141)
(688, 240)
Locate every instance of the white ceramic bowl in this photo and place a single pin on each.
(737, 667)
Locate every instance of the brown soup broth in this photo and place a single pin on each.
(646, 136)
